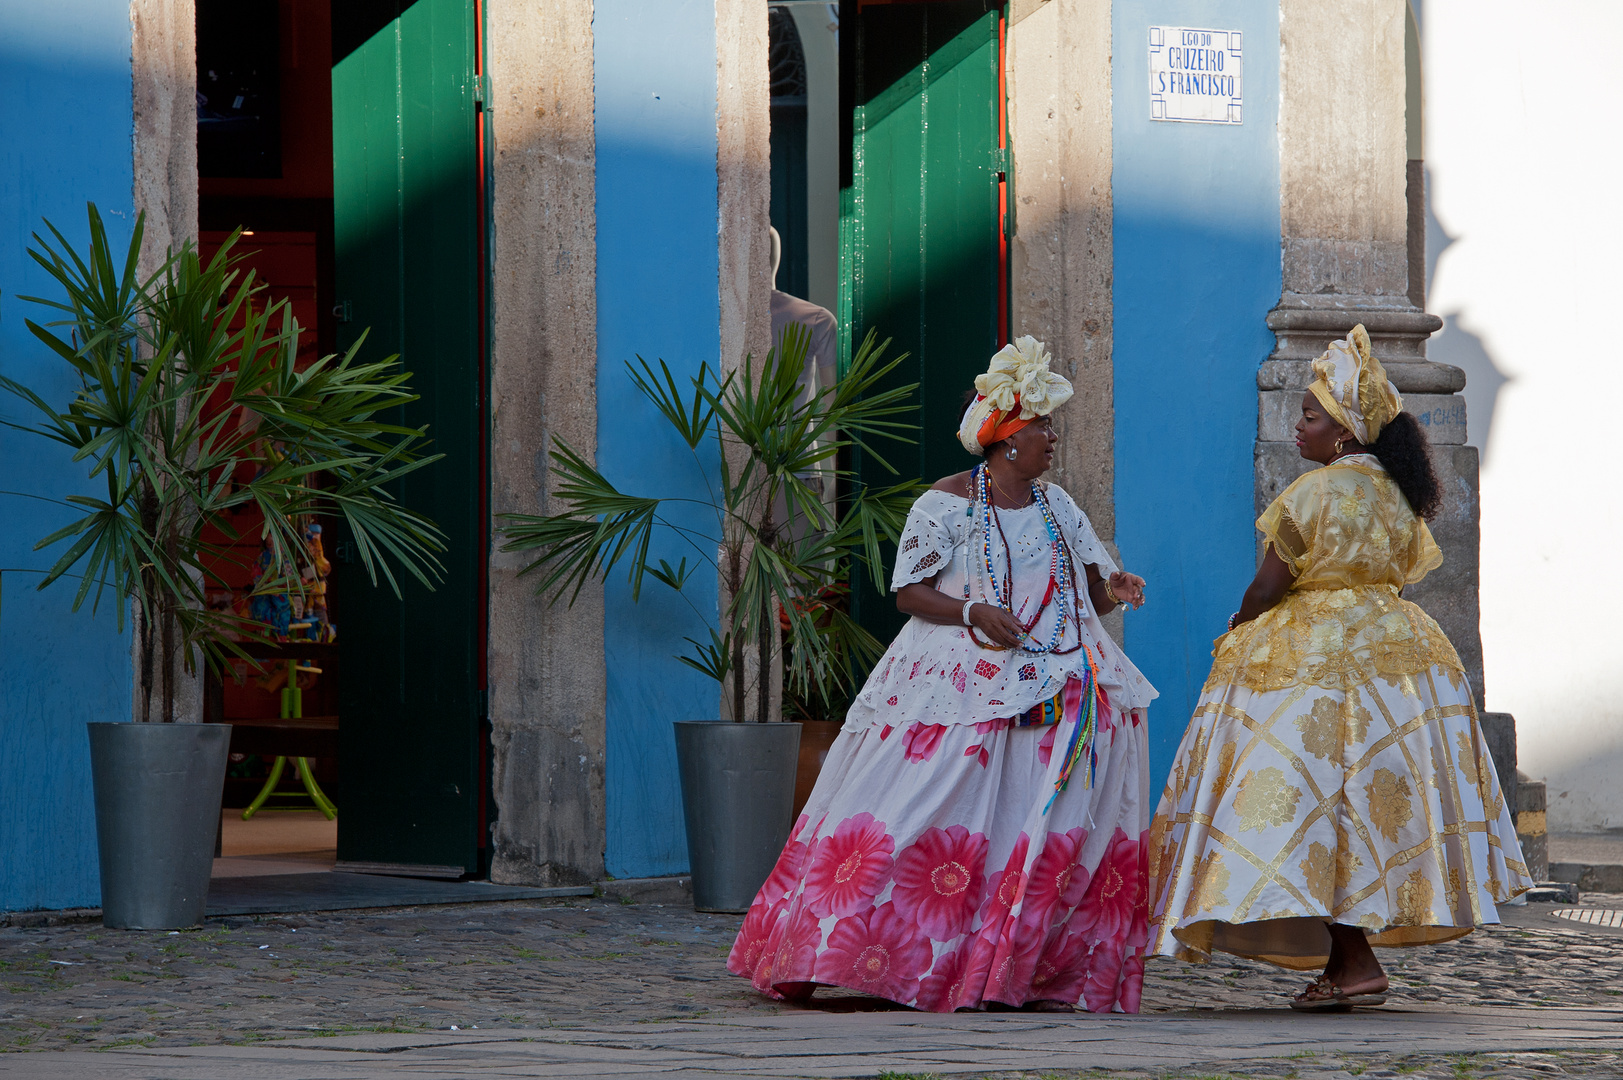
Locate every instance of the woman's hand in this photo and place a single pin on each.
(996, 625)
(993, 624)
(1129, 588)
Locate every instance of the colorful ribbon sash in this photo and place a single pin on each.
(1078, 700)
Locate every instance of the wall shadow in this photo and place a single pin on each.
(1457, 345)
(1454, 344)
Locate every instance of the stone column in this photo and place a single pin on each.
(163, 77)
(743, 216)
(1058, 74)
(743, 179)
(1345, 253)
(163, 65)
(547, 678)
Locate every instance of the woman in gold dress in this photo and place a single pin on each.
(1333, 790)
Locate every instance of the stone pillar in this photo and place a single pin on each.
(547, 679)
(743, 218)
(1058, 69)
(163, 64)
(163, 76)
(743, 179)
(1345, 236)
(1058, 72)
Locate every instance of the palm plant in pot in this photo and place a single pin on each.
(189, 410)
(780, 555)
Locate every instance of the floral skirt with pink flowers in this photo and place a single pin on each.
(926, 870)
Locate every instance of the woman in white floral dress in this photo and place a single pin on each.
(1333, 791)
(976, 835)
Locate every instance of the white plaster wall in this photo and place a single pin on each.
(1524, 155)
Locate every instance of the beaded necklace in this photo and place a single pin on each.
(1059, 574)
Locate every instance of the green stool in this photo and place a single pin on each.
(292, 709)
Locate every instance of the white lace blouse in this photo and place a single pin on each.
(936, 674)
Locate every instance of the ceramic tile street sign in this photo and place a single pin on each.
(1196, 76)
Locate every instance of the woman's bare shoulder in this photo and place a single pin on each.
(956, 484)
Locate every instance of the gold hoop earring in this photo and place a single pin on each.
(1338, 445)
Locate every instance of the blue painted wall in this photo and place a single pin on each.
(655, 77)
(65, 124)
(1197, 268)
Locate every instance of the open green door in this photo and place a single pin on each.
(920, 221)
(406, 229)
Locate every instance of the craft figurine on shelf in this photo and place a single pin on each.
(313, 579)
(273, 608)
(295, 611)
(302, 612)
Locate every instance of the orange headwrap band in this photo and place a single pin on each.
(999, 426)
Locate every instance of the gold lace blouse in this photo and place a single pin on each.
(1349, 536)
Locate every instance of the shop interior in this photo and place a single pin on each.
(265, 164)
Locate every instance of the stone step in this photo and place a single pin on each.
(1592, 860)
(677, 890)
(1552, 892)
(1590, 877)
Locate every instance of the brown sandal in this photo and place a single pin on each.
(1322, 995)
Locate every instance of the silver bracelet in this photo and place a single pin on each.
(967, 605)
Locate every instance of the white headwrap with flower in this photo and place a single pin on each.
(1016, 389)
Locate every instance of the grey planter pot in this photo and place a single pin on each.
(157, 812)
(738, 791)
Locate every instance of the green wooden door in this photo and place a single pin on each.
(406, 222)
(920, 222)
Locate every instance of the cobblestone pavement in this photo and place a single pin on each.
(536, 966)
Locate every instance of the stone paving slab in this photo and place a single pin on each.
(588, 988)
(814, 1045)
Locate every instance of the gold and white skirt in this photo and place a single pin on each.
(1374, 805)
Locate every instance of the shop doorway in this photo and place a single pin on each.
(347, 140)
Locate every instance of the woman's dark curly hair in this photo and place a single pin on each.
(1405, 453)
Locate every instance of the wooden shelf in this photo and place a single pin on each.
(306, 736)
(291, 650)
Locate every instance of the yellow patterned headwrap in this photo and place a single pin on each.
(1353, 388)
(1016, 389)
